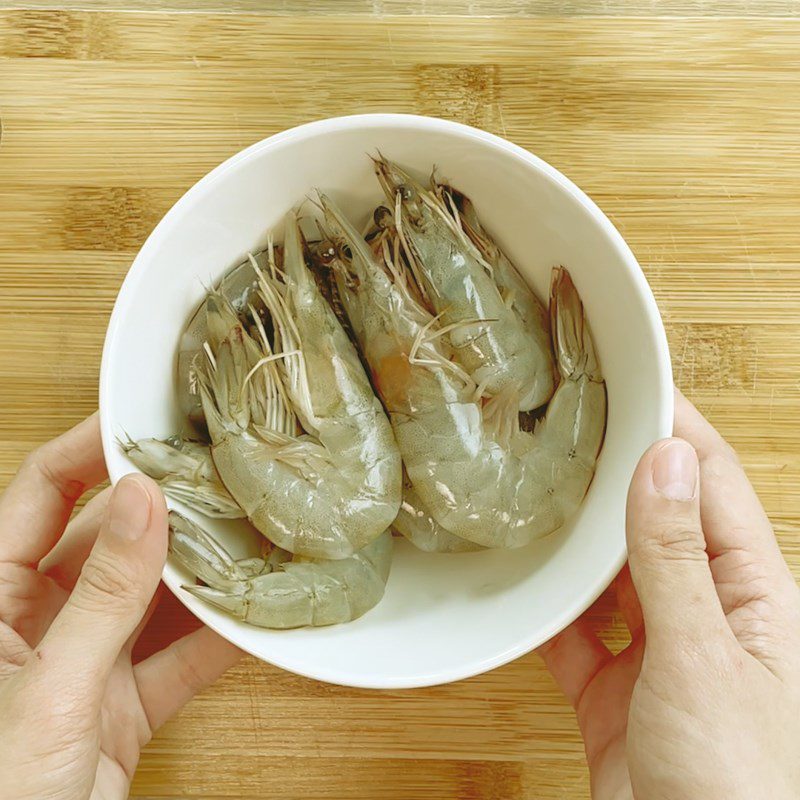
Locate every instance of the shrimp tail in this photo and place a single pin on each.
(575, 353)
(232, 600)
(224, 372)
(202, 555)
(222, 317)
(234, 389)
(185, 471)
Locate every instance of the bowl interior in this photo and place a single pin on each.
(444, 617)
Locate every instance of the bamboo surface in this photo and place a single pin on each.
(469, 8)
(684, 131)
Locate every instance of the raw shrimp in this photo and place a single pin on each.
(266, 591)
(237, 286)
(325, 493)
(492, 331)
(413, 520)
(478, 474)
(277, 592)
(185, 472)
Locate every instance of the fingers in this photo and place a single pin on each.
(666, 548)
(64, 562)
(629, 602)
(172, 620)
(39, 500)
(170, 678)
(144, 621)
(115, 585)
(740, 538)
(14, 650)
(756, 589)
(574, 657)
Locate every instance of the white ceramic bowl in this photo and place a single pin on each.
(444, 617)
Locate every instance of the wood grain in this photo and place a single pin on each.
(683, 130)
(468, 8)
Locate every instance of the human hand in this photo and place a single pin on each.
(75, 710)
(705, 701)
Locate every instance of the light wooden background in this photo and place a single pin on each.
(685, 131)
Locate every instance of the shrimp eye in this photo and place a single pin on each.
(174, 441)
(382, 217)
(326, 252)
(407, 192)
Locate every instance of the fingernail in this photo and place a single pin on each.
(129, 509)
(675, 471)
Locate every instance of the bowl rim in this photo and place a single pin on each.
(164, 228)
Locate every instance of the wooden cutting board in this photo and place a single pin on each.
(685, 131)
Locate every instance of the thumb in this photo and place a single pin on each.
(667, 549)
(115, 586)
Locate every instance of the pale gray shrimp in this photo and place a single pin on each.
(238, 286)
(276, 592)
(478, 474)
(490, 331)
(326, 491)
(185, 472)
(413, 521)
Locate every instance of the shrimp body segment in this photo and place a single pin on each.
(416, 524)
